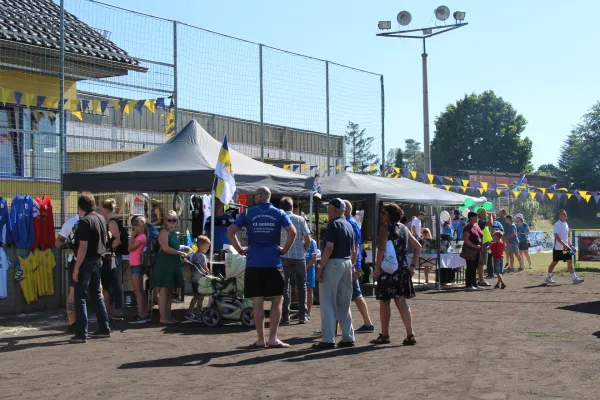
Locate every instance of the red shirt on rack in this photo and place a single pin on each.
(43, 225)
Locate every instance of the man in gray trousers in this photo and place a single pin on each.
(334, 274)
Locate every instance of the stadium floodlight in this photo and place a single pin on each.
(459, 16)
(404, 18)
(385, 25)
(427, 31)
(442, 13)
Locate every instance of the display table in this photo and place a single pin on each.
(447, 260)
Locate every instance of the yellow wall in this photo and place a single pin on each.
(35, 83)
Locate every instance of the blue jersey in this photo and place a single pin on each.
(447, 228)
(458, 225)
(263, 224)
(357, 240)
(5, 236)
(21, 221)
(522, 232)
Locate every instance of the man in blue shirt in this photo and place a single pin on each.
(357, 296)
(264, 272)
(512, 244)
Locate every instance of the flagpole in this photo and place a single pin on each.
(212, 225)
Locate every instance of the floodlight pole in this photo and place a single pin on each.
(414, 34)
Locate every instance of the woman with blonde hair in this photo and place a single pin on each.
(167, 269)
(136, 248)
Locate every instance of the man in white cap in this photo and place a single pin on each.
(334, 274)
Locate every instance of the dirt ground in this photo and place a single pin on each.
(528, 341)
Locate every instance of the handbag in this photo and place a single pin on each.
(389, 263)
(468, 253)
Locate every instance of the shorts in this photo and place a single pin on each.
(559, 255)
(483, 256)
(523, 246)
(499, 266)
(512, 248)
(263, 282)
(356, 292)
(311, 277)
(195, 287)
(138, 270)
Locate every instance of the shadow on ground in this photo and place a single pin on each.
(592, 307)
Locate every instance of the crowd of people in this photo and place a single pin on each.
(280, 253)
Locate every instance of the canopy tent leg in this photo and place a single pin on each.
(438, 283)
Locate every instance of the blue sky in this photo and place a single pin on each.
(540, 56)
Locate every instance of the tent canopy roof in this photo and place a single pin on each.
(186, 163)
(355, 187)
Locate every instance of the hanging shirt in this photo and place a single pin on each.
(21, 222)
(43, 223)
(44, 264)
(4, 267)
(68, 232)
(263, 224)
(136, 203)
(5, 236)
(223, 222)
(197, 214)
(206, 208)
(24, 274)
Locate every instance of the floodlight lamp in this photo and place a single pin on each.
(427, 31)
(442, 13)
(385, 25)
(404, 18)
(459, 16)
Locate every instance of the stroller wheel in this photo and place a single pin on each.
(211, 317)
(247, 317)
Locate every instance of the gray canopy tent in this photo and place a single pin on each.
(374, 189)
(186, 163)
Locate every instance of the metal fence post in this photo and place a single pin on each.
(382, 129)
(175, 97)
(262, 125)
(327, 111)
(63, 143)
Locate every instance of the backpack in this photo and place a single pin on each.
(124, 237)
(152, 247)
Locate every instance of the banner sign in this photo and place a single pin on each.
(588, 248)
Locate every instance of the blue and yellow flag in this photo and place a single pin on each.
(224, 174)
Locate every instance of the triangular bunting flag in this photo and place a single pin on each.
(78, 115)
(286, 166)
(550, 196)
(303, 166)
(587, 198)
(4, 94)
(116, 104)
(542, 196)
(150, 105)
(71, 105)
(124, 106)
(132, 104)
(464, 189)
(160, 102)
(138, 106)
(532, 195)
(397, 170)
(559, 195)
(51, 116)
(569, 195)
(465, 182)
(422, 176)
(29, 99)
(51, 102)
(432, 185)
(337, 167)
(404, 172)
(583, 193)
(440, 179)
(543, 190)
(430, 177)
(484, 185)
(597, 198)
(84, 105)
(447, 187)
(481, 190)
(372, 167)
(40, 101)
(413, 174)
(449, 178)
(295, 167)
(18, 96)
(516, 193)
(499, 192)
(96, 106)
(493, 186)
(104, 104)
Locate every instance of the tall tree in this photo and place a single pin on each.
(359, 147)
(395, 158)
(414, 158)
(549, 170)
(481, 132)
(579, 158)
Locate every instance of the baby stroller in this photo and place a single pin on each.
(226, 301)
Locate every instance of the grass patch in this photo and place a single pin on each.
(541, 261)
(558, 335)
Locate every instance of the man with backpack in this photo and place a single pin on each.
(117, 247)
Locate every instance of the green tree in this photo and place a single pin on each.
(414, 158)
(395, 158)
(481, 132)
(549, 170)
(579, 158)
(359, 147)
(529, 208)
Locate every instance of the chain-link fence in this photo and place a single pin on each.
(130, 78)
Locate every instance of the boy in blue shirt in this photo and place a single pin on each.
(311, 263)
(512, 245)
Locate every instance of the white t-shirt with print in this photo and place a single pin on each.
(416, 223)
(562, 230)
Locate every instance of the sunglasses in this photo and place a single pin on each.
(171, 220)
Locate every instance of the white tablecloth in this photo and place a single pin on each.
(448, 260)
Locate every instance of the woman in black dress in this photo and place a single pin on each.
(395, 285)
(472, 236)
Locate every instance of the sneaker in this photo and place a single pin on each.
(471, 289)
(577, 281)
(190, 316)
(365, 328)
(497, 286)
(509, 269)
(549, 279)
(100, 335)
(77, 339)
(521, 269)
(530, 267)
(483, 283)
(72, 329)
(284, 321)
(341, 344)
(303, 320)
(503, 286)
(141, 320)
(317, 332)
(295, 316)
(308, 316)
(115, 318)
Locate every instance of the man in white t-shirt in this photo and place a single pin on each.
(416, 224)
(64, 241)
(562, 249)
